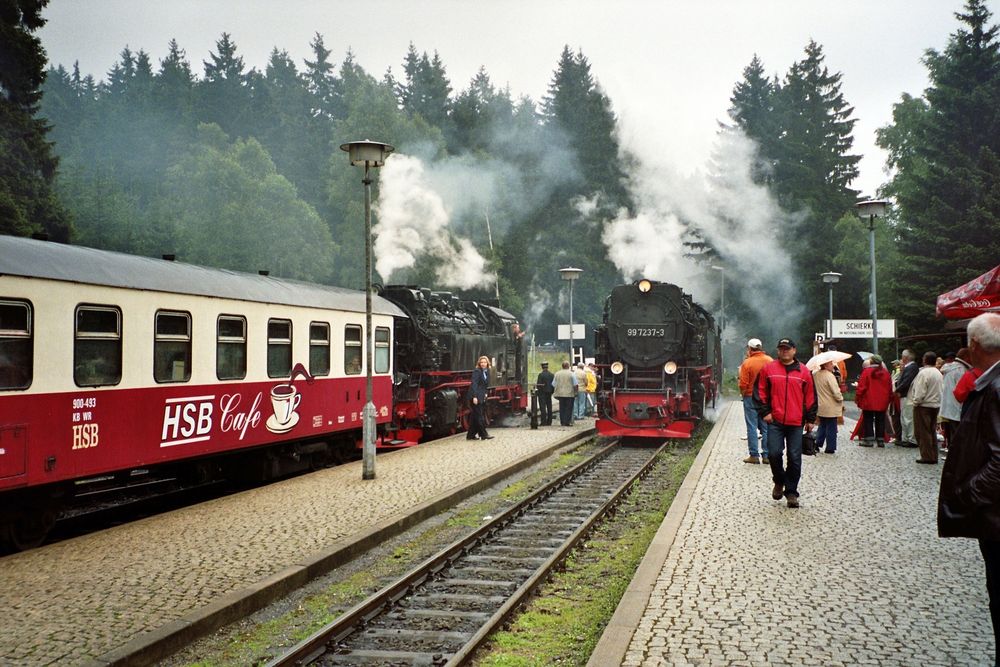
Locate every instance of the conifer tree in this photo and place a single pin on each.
(945, 149)
(224, 94)
(812, 168)
(27, 164)
(322, 82)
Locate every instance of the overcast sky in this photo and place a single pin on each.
(669, 67)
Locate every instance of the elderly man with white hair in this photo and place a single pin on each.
(755, 360)
(969, 503)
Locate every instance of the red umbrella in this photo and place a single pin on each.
(975, 297)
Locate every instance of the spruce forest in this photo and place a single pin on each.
(226, 165)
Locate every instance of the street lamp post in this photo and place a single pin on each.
(570, 274)
(722, 312)
(369, 154)
(871, 209)
(831, 278)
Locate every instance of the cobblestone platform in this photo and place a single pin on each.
(125, 595)
(856, 576)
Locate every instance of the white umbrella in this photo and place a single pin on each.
(864, 354)
(823, 357)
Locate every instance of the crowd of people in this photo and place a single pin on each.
(909, 407)
(574, 388)
(957, 394)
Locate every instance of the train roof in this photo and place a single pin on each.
(55, 261)
(502, 313)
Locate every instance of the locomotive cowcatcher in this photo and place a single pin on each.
(437, 346)
(659, 356)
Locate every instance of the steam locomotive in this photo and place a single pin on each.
(660, 359)
(437, 345)
(119, 371)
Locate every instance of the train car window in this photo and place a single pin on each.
(352, 349)
(279, 348)
(319, 348)
(16, 359)
(381, 350)
(231, 348)
(172, 347)
(97, 350)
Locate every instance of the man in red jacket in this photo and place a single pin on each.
(786, 399)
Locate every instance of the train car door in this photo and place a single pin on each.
(13, 449)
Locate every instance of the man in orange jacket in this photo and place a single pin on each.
(755, 360)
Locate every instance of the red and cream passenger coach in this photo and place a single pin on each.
(113, 365)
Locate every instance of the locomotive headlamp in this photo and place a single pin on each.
(670, 367)
(645, 285)
(617, 367)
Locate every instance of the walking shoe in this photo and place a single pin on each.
(881, 443)
(923, 461)
(792, 499)
(764, 459)
(778, 491)
(751, 459)
(866, 443)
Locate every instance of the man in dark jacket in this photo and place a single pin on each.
(906, 438)
(969, 502)
(544, 388)
(786, 400)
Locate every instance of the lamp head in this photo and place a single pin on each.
(570, 273)
(367, 153)
(872, 208)
(831, 277)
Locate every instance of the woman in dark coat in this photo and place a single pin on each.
(873, 396)
(477, 399)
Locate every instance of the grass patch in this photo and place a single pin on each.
(562, 624)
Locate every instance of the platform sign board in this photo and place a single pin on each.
(579, 331)
(859, 328)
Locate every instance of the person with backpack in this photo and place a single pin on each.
(786, 400)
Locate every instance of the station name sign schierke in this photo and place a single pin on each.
(859, 328)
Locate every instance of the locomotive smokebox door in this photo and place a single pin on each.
(638, 411)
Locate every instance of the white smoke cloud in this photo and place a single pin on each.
(738, 217)
(413, 219)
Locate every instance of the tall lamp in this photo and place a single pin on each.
(871, 209)
(368, 154)
(571, 274)
(831, 278)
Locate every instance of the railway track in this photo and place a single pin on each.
(440, 612)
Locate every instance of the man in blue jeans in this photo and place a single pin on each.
(755, 360)
(786, 400)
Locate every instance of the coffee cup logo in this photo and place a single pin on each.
(284, 400)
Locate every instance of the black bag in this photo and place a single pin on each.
(809, 447)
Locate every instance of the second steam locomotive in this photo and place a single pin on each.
(660, 357)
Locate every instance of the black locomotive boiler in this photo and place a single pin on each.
(659, 356)
(437, 346)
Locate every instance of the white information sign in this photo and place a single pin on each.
(579, 331)
(859, 328)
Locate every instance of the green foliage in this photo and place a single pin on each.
(233, 193)
(27, 165)
(945, 150)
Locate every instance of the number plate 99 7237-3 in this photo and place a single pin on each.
(645, 332)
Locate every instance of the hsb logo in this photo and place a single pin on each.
(186, 420)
